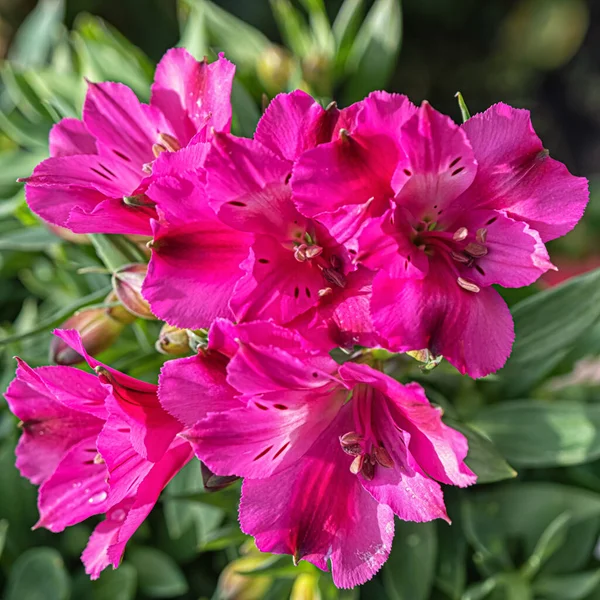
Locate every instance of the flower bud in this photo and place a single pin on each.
(67, 235)
(306, 587)
(127, 284)
(173, 341)
(98, 332)
(316, 69)
(117, 311)
(233, 585)
(275, 68)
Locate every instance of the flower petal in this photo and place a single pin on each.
(69, 137)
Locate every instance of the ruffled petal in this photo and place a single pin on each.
(69, 137)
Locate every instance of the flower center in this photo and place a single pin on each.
(330, 266)
(363, 443)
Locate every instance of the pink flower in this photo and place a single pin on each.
(96, 177)
(442, 213)
(324, 474)
(96, 444)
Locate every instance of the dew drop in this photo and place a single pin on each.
(97, 498)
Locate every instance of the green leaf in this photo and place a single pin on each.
(547, 326)
(245, 111)
(3, 532)
(119, 584)
(279, 566)
(483, 458)
(464, 111)
(242, 43)
(29, 239)
(451, 575)
(159, 576)
(567, 587)
(16, 164)
(109, 251)
(375, 50)
(320, 25)
(532, 433)
(408, 574)
(293, 27)
(193, 28)
(38, 574)
(345, 27)
(36, 36)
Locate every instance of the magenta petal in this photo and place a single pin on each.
(181, 379)
(294, 123)
(295, 512)
(69, 137)
(193, 271)
(76, 490)
(246, 184)
(193, 95)
(121, 124)
(516, 174)
(439, 164)
(50, 427)
(474, 331)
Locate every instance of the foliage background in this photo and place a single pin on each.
(515, 538)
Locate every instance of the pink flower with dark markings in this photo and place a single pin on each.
(96, 444)
(441, 213)
(329, 453)
(98, 172)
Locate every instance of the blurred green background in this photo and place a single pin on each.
(533, 537)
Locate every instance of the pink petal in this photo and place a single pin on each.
(69, 137)
(358, 167)
(181, 379)
(41, 399)
(247, 187)
(193, 271)
(516, 255)
(516, 174)
(474, 331)
(193, 95)
(268, 435)
(294, 123)
(76, 490)
(439, 164)
(295, 512)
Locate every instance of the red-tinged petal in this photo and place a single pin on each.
(246, 184)
(516, 255)
(439, 450)
(294, 123)
(193, 95)
(266, 436)
(56, 405)
(516, 174)
(276, 285)
(187, 160)
(95, 556)
(189, 388)
(76, 490)
(439, 164)
(69, 137)
(193, 271)
(316, 510)
(124, 128)
(474, 331)
(358, 167)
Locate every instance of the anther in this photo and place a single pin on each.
(147, 168)
(313, 251)
(357, 464)
(460, 234)
(460, 257)
(344, 135)
(169, 142)
(158, 149)
(481, 235)
(325, 292)
(368, 469)
(382, 457)
(335, 277)
(137, 200)
(300, 252)
(98, 460)
(351, 438)
(476, 250)
(468, 285)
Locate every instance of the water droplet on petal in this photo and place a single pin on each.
(97, 498)
(118, 515)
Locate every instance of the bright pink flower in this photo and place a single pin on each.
(97, 445)
(97, 174)
(442, 213)
(277, 413)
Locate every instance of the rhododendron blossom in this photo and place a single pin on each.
(329, 453)
(96, 444)
(99, 168)
(442, 213)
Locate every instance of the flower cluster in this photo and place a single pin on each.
(381, 225)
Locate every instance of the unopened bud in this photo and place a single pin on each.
(306, 587)
(68, 235)
(116, 310)
(172, 340)
(98, 331)
(127, 284)
(316, 69)
(234, 585)
(275, 68)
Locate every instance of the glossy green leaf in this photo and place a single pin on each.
(547, 326)
(110, 251)
(159, 576)
(532, 433)
(38, 574)
(375, 50)
(409, 572)
(29, 239)
(345, 26)
(451, 572)
(484, 458)
(193, 28)
(293, 27)
(320, 25)
(567, 587)
(3, 532)
(245, 111)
